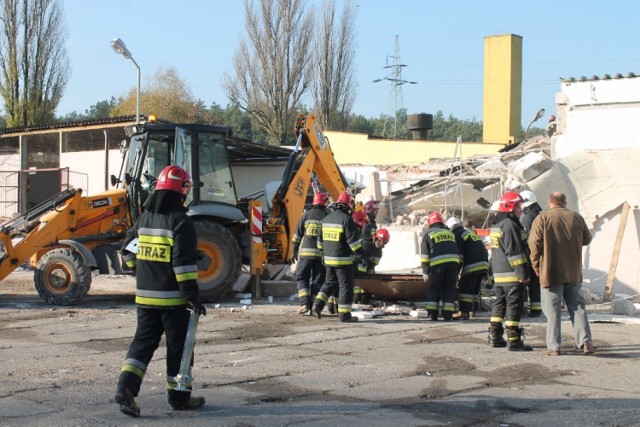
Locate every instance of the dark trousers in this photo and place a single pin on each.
(342, 279)
(310, 274)
(442, 288)
(152, 323)
(508, 305)
(532, 291)
(469, 289)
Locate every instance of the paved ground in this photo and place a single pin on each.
(266, 366)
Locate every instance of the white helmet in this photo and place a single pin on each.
(495, 206)
(529, 198)
(453, 223)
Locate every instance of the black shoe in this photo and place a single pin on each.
(192, 403)
(349, 319)
(127, 402)
(519, 346)
(534, 313)
(331, 308)
(317, 311)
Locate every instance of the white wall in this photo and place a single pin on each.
(596, 155)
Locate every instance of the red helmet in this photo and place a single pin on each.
(320, 199)
(360, 218)
(174, 178)
(383, 235)
(509, 200)
(435, 217)
(371, 205)
(345, 198)
(552, 118)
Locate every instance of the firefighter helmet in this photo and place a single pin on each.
(174, 178)
(383, 235)
(552, 118)
(360, 218)
(453, 223)
(509, 200)
(320, 199)
(434, 217)
(344, 198)
(529, 198)
(371, 206)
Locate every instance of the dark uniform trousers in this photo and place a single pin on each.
(508, 309)
(342, 279)
(152, 322)
(443, 278)
(532, 290)
(310, 274)
(470, 285)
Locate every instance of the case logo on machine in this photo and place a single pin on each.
(98, 203)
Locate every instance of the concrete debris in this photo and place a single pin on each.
(465, 188)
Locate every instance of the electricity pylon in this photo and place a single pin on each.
(394, 127)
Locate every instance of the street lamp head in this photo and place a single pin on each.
(539, 114)
(120, 48)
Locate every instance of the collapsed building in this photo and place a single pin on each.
(590, 152)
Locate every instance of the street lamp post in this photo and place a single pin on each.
(120, 48)
(538, 115)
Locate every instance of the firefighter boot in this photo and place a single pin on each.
(304, 309)
(316, 310)
(496, 332)
(331, 308)
(461, 315)
(514, 335)
(192, 403)
(347, 318)
(127, 402)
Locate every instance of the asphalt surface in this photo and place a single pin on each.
(264, 365)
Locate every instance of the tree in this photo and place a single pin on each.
(33, 60)
(168, 97)
(270, 69)
(333, 83)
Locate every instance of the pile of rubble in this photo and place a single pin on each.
(463, 187)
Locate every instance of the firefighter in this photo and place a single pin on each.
(362, 221)
(510, 267)
(371, 209)
(372, 249)
(531, 209)
(473, 257)
(166, 284)
(309, 269)
(440, 264)
(339, 242)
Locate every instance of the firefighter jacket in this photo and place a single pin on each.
(529, 214)
(305, 237)
(165, 261)
(339, 240)
(372, 254)
(473, 254)
(438, 247)
(509, 261)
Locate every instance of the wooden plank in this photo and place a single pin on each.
(608, 289)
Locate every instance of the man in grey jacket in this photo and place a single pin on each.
(556, 240)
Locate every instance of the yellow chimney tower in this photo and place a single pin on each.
(502, 108)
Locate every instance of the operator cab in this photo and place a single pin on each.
(199, 149)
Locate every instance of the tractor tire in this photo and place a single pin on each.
(62, 277)
(220, 260)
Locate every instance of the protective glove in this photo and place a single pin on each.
(294, 255)
(426, 278)
(193, 303)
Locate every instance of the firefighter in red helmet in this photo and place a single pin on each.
(166, 284)
(339, 241)
(440, 263)
(310, 272)
(510, 268)
(372, 249)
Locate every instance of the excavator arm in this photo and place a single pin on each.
(311, 156)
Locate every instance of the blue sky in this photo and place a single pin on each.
(441, 44)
